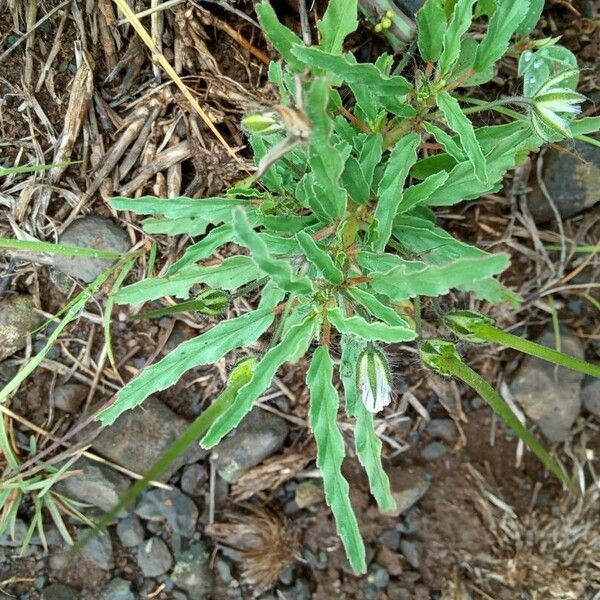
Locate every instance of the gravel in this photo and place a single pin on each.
(154, 557)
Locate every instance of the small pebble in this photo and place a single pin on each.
(442, 429)
(130, 531)
(69, 397)
(434, 451)
(153, 557)
(59, 591)
(378, 576)
(117, 589)
(170, 506)
(412, 551)
(17, 319)
(193, 480)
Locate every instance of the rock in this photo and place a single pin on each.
(412, 551)
(550, 395)
(572, 178)
(391, 560)
(300, 591)
(308, 493)
(20, 531)
(139, 437)
(59, 591)
(223, 568)
(130, 531)
(192, 572)
(98, 551)
(378, 576)
(97, 484)
(154, 558)
(390, 539)
(69, 397)
(442, 429)
(193, 480)
(434, 451)
(407, 488)
(590, 396)
(17, 319)
(259, 436)
(117, 589)
(170, 506)
(96, 232)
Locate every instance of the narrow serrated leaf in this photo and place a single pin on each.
(421, 192)
(431, 24)
(447, 142)
(369, 330)
(377, 308)
(370, 155)
(340, 20)
(319, 257)
(280, 271)
(532, 17)
(297, 336)
(457, 121)
(214, 210)
(355, 182)
(330, 454)
(457, 26)
(402, 158)
(178, 226)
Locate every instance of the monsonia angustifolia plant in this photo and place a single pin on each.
(341, 238)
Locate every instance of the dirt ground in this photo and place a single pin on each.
(490, 524)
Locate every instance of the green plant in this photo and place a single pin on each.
(338, 211)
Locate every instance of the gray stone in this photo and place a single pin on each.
(169, 506)
(192, 572)
(408, 489)
(223, 568)
(117, 589)
(154, 558)
(98, 551)
(550, 395)
(17, 319)
(572, 178)
(260, 435)
(378, 576)
(193, 479)
(139, 437)
(20, 531)
(300, 591)
(130, 531)
(69, 397)
(442, 429)
(390, 538)
(590, 396)
(59, 591)
(434, 451)
(95, 232)
(412, 551)
(97, 484)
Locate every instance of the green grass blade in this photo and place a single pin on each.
(60, 249)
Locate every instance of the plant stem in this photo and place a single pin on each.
(484, 389)
(493, 334)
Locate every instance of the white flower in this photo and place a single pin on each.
(374, 379)
(553, 107)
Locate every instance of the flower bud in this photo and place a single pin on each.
(435, 353)
(374, 380)
(262, 123)
(214, 302)
(464, 324)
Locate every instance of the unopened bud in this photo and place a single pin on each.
(262, 123)
(374, 380)
(464, 324)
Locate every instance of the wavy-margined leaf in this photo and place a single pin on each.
(298, 336)
(214, 210)
(352, 348)
(320, 258)
(370, 155)
(204, 349)
(431, 24)
(369, 330)
(532, 17)
(447, 142)
(179, 226)
(504, 22)
(538, 67)
(433, 280)
(402, 158)
(279, 244)
(355, 181)
(214, 239)
(325, 160)
(585, 125)
(457, 26)
(330, 454)
(346, 68)
(377, 308)
(279, 35)
(458, 122)
(280, 271)
(419, 193)
(339, 21)
(231, 274)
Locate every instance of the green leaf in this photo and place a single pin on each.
(421, 192)
(458, 25)
(282, 38)
(183, 225)
(531, 19)
(349, 70)
(340, 20)
(352, 348)
(231, 274)
(538, 67)
(369, 330)
(403, 283)
(204, 349)
(326, 161)
(370, 155)
(298, 336)
(458, 122)
(402, 158)
(504, 22)
(585, 125)
(431, 24)
(447, 142)
(330, 455)
(214, 210)
(320, 258)
(368, 451)
(377, 308)
(280, 271)
(355, 182)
